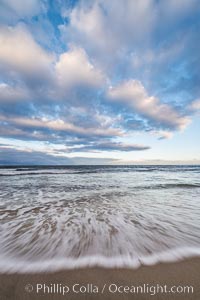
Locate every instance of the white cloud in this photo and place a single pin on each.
(92, 24)
(106, 29)
(75, 69)
(195, 105)
(164, 134)
(19, 53)
(111, 30)
(59, 125)
(21, 57)
(133, 94)
(110, 25)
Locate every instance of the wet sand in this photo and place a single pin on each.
(184, 273)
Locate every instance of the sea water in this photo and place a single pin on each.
(55, 218)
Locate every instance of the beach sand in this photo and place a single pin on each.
(184, 273)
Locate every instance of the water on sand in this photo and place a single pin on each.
(63, 217)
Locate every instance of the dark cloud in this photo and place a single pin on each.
(11, 157)
(18, 157)
(111, 146)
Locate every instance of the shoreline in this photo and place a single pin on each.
(173, 255)
(180, 274)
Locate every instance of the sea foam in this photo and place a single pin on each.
(54, 265)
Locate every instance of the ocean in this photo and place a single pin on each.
(54, 218)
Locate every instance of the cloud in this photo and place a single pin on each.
(74, 69)
(164, 134)
(108, 29)
(56, 127)
(105, 23)
(111, 146)
(194, 105)
(13, 157)
(178, 7)
(152, 41)
(21, 56)
(111, 30)
(159, 162)
(10, 94)
(21, 8)
(133, 95)
(58, 61)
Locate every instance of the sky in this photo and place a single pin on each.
(99, 82)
